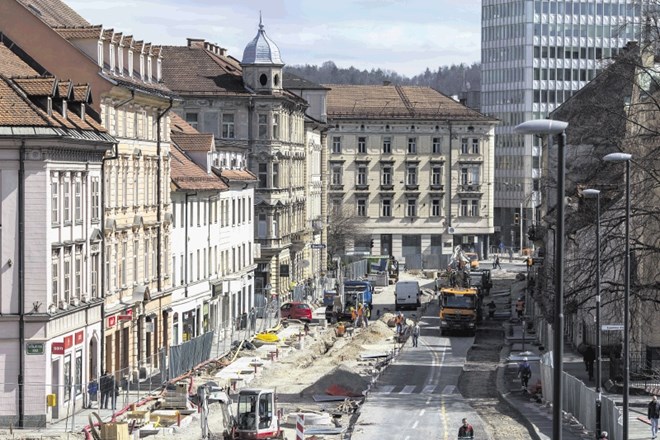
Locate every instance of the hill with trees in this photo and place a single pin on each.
(449, 80)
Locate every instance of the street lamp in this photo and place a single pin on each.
(625, 157)
(552, 127)
(594, 193)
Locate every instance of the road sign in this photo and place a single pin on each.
(318, 246)
(611, 327)
(34, 348)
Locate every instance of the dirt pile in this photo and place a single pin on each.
(341, 381)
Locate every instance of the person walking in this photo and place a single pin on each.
(653, 414)
(104, 386)
(496, 263)
(466, 430)
(524, 373)
(360, 314)
(492, 307)
(92, 391)
(589, 357)
(520, 307)
(398, 321)
(366, 314)
(415, 334)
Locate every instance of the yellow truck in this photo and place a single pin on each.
(460, 309)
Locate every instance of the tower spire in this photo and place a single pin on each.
(261, 22)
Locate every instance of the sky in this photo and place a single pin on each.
(405, 36)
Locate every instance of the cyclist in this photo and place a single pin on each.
(466, 430)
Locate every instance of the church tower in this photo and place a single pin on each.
(262, 65)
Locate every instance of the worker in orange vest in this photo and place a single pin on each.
(353, 315)
(398, 321)
(360, 313)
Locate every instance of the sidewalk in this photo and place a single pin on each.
(538, 414)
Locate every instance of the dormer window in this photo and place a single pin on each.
(112, 58)
(263, 79)
(159, 69)
(120, 59)
(130, 63)
(142, 67)
(64, 109)
(149, 69)
(99, 55)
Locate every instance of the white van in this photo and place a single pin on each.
(407, 295)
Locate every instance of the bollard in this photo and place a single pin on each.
(300, 427)
(178, 418)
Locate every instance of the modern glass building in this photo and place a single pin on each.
(535, 54)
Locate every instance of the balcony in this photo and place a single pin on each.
(387, 187)
(362, 187)
(437, 187)
(412, 187)
(336, 187)
(469, 189)
(470, 158)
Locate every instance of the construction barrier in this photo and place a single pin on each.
(300, 427)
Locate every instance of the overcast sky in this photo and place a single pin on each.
(399, 35)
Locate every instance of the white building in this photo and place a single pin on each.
(51, 325)
(534, 56)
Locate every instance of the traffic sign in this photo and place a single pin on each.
(318, 246)
(34, 348)
(611, 327)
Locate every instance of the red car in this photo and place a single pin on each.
(296, 310)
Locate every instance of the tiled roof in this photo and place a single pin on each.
(116, 38)
(80, 33)
(155, 50)
(178, 125)
(54, 13)
(233, 175)
(17, 111)
(195, 70)
(11, 65)
(186, 175)
(81, 93)
(291, 81)
(138, 45)
(37, 85)
(398, 102)
(193, 142)
(64, 89)
(127, 41)
(147, 48)
(108, 33)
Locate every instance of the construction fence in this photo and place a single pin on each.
(580, 401)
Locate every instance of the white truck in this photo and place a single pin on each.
(407, 295)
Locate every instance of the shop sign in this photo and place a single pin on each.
(79, 337)
(34, 348)
(68, 342)
(57, 348)
(112, 321)
(125, 317)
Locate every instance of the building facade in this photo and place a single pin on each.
(51, 149)
(535, 55)
(413, 166)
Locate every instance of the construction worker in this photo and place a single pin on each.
(530, 263)
(353, 315)
(360, 314)
(366, 313)
(398, 321)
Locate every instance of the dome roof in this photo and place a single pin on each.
(261, 50)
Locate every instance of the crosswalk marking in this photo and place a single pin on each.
(449, 389)
(408, 389)
(385, 389)
(428, 389)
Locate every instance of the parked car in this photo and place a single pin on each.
(296, 310)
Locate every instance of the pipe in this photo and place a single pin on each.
(159, 209)
(21, 285)
(449, 169)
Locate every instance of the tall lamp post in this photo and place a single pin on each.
(595, 194)
(625, 157)
(552, 127)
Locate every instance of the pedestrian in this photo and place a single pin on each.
(366, 313)
(398, 321)
(113, 391)
(415, 334)
(589, 357)
(520, 307)
(360, 314)
(92, 391)
(653, 414)
(466, 430)
(253, 319)
(603, 436)
(530, 263)
(104, 386)
(491, 309)
(353, 315)
(524, 373)
(497, 264)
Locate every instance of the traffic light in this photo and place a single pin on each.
(516, 218)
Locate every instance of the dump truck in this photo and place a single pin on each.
(460, 309)
(350, 294)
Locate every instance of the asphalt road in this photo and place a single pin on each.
(417, 396)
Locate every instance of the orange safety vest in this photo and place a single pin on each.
(360, 312)
(353, 314)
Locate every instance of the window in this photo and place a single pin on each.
(470, 175)
(336, 144)
(54, 200)
(386, 176)
(122, 263)
(474, 208)
(362, 175)
(94, 276)
(336, 175)
(263, 175)
(233, 212)
(78, 272)
(263, 126)
(154, 256)
(411, 208)
(146, 258)
(362, 145)
(228, 125)
(464, 208)
(411, 175)
(166, 251)
(361, 207)
(436, 175)
(436, 145)
(66, 202)
(276, 126)
(55, 275)
(77, 200)
(387, 145)
(124, 184)
(464, 146)
(191, 118)
(67, 275)
(475, 146)
(136, 253)
(108, 270)
(470, 208)
(136, 181)
(96, 198)
(436, 205)
(276, 175)
(412, 145)
(386, 207)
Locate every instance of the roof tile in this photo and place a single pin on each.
(186, 175)
(80, 33)
(54, 13)
(11, 65)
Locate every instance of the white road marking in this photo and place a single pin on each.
(407, 389)
(385, 389)
(428, 389)
(421, 413)
(449, 389)
(415, 424)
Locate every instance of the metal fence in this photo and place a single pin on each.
(580, 401)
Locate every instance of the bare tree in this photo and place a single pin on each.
(344, 230)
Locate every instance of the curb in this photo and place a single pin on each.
(504, 393)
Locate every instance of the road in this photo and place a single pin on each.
(417, 397)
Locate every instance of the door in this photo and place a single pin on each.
(55, 387)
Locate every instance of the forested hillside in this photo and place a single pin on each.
(448, 80)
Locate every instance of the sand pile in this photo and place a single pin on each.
(376, 332)
(341, 381)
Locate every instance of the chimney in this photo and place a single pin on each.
(196, 43)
